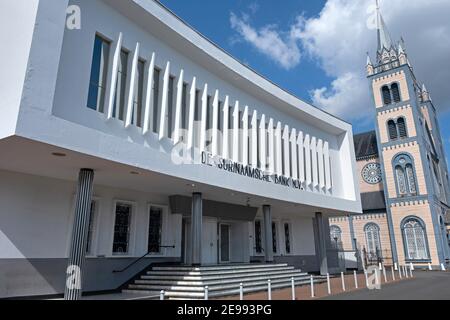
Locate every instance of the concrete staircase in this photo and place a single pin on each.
(186, 283)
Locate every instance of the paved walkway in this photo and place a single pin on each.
(425, 285)
(320, 290)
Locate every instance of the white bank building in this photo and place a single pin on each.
(129, 141)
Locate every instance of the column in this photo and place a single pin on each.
(268, 248)
(196, 229)
(352, 232)
(77, 251)
(322, 244)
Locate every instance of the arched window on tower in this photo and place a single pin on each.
(395, 92)
(414, 238)
(405, 175)
(386, 95)
(372, 232)
(336, 237)
(401, 126)
(392, 127)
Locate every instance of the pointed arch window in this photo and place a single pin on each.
(372, 233)
(386, 95)
(414, 237)
(401, 126)
(405, 175)
(395, 93)
(392, 127)
(336, 236)
(397, 129)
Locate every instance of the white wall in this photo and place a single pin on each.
(56, 95)
(36, 216)
(17, 19)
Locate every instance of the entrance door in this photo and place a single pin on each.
(209, 241)
(224, 243)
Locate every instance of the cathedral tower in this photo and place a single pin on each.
(414, 167)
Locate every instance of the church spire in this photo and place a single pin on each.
(385, 43)
(384, 38)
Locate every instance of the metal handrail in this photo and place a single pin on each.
(139, 259)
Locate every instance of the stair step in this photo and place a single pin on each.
(213, 277)
(222, 267)
(173, 295)
(221, 272)
(219, 287)
(218, 280)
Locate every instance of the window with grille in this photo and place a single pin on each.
(258, 238)
(415, 242)
(155, 229)
(122, 225)
(336, 236)
(372, 232)
(287, 238)
(405, 175)
(274, 237)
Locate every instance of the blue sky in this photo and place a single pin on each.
(316, 49)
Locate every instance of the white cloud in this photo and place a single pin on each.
(339, 37)
(284, 50)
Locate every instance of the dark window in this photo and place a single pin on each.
(119, 101)
(392, 127)
(122, 228)
(386, 95)
(287, 237)
(184, 108)
(274, 237)
(170, 108)
(138, 104)
(156, 76)
(155, 230)
(258, 240)
(395, 92)
(97, 84)
(91, 229)
(401, 125)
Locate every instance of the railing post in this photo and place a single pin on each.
(343, 281)
(312, 287)
(206, 293)
(241, 291)
(384, 274)
(393, 273)
(400, 272)
(293, 288)
(411, 272)
(356, 279)
(269, 289)
(405, 271)
(367, 280)
(162, 295)
(328, 283)
(430, 267)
